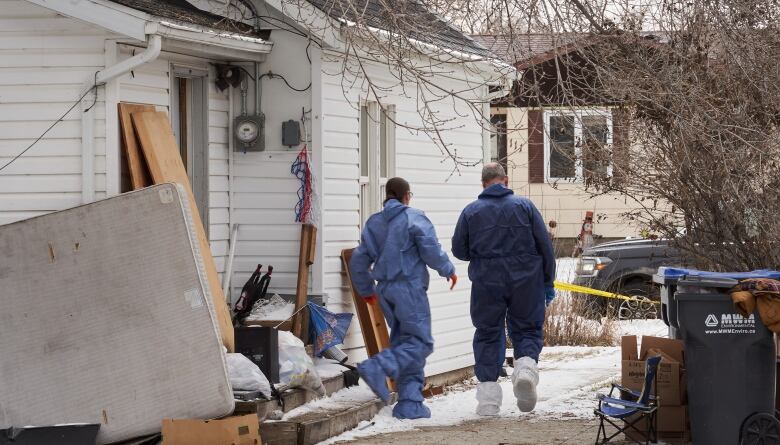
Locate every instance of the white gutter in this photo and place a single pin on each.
(152, 51)
(208, 36)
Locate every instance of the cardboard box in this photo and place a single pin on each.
(670, 379)
(672, 422)
(673, 419)
(236, 430)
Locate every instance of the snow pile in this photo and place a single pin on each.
(275, 308)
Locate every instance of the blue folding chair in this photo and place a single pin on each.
(631, 409)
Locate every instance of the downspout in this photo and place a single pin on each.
(152, 51)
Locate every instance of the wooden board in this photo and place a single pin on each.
(305, 260)
(432, 391)
(371, 318)
(165, 165)
(279, 433)
(136, 163)
(315, 431)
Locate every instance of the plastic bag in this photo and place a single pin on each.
(246, 376)
(296, 369)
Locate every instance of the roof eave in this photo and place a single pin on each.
(205, 38)
(137, 25)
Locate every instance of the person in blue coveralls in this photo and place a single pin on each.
(512, 269)
(391, 266)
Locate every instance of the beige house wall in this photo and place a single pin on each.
(565, 203)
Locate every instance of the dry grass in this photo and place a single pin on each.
(564, 325)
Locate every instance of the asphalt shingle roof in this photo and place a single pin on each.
(531, 48)
(521, 47)
(183, 12)
(408, 17)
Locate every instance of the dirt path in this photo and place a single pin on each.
(500, 431)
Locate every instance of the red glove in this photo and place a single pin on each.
(454, 279)
(371, 299)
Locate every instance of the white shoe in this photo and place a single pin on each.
(489, 398)
(524, 381)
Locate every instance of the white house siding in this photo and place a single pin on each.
(437, 191)
(219, 183)
(264, 190)
(46, 61)
(565, 203)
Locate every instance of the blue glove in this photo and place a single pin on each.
(549, 294)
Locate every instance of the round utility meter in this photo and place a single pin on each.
(247, 131)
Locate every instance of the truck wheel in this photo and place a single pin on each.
(631, 310)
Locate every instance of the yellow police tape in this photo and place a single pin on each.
(599, 293)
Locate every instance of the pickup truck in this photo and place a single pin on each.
(625, 267)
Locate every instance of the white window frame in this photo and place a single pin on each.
(372, 185)
(577, 114)
(197, 136)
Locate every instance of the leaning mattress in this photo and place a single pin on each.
(106, 318)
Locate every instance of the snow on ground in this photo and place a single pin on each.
(328, 368)
(569, 378)
(655, 328)
(565, 269)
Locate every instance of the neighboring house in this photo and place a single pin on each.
(164, 53)
(543, 139)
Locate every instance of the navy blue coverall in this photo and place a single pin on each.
(504, 238)
(400, 243)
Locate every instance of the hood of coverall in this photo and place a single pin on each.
(392, 209)
(496, 191)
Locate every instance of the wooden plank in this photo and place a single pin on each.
(279, 433)
(136, 163)
(431, 391)
(162, 155)
(331, 425)
(371, 318)
(294, 397)
(305, 260)
(260, 407)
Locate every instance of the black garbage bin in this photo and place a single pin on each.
(667, 279)
(730, 359)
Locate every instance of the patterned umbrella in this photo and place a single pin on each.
(326, 328)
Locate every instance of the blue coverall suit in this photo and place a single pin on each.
(400, 242)
(512, 266)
